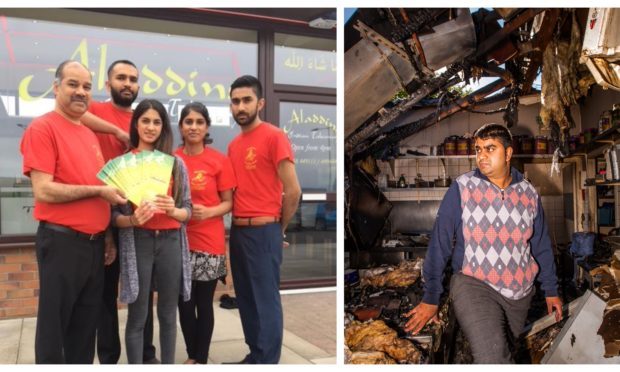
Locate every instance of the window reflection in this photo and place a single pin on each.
(307, 61)
(174, 69)
(312, 131)
(312, 232)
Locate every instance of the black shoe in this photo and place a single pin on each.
(245, 360)
(227, 302)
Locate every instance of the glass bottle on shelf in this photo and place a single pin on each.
(615, 115)
(605, 121)
(402, 181)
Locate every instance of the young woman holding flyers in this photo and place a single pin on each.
(211, 180)
(153, 240)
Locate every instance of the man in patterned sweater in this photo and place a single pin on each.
(491, 223)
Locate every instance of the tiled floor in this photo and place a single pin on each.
(309, 333)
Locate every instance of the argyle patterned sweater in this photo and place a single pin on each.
(496, 236)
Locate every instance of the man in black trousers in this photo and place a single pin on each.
(62, 158)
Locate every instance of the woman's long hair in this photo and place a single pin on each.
(162, 144)
(200, 109)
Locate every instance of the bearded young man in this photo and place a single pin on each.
(264, 202)
(110, 120)
(502, 246)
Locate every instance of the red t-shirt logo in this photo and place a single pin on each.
(199, 180)
(250, 158)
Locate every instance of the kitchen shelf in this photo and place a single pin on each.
(590, 149)
(438, 157)
(414, 189)
(518, 156)
(533, 156)
(594, 147)
(606, 183)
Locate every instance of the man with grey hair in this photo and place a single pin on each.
(62, 158)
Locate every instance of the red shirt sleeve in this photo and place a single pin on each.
(38, 150)
(226, 179)
(281, 149)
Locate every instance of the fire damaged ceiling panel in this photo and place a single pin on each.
(459, 33)
(376, 69)
(601, 46)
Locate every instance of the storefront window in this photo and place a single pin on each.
(306, 61)
(174, 69)
(312, 131)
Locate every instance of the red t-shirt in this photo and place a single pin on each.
(160, 220)
(111, 147)
(71, 153)
(255, 157)
(209, 173)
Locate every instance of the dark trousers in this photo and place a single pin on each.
(158, 258)
(491, 322)
(196, 317)
(71, 286)
(108, 338)
(255, 259)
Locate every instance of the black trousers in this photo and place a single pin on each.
(108, 339)
(196, 317)
(71, 287)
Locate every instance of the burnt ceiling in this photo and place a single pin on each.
(397, 58)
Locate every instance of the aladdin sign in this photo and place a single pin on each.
(168, 82)
(170, 66)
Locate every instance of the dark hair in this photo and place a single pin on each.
(248, 81)
(118, 62)
(496, 131)
(163, 143)
(60, 70)
(200, 109)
